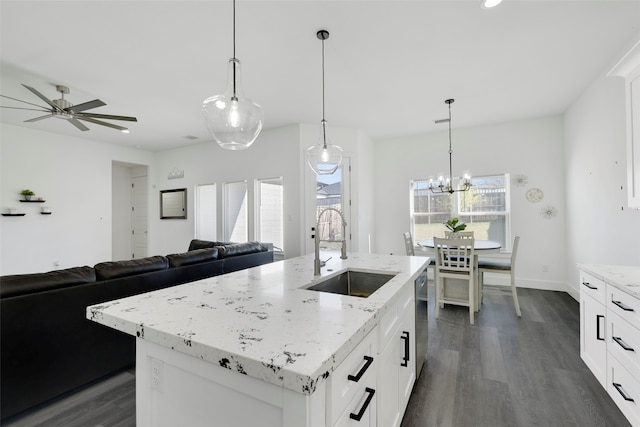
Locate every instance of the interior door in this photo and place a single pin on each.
(139, 231)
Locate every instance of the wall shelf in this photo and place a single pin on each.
(32, 201)
(15, 214)
(45, 213)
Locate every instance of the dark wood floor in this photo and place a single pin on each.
(503, 371)
(509, 371)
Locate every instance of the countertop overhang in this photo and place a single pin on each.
(261, 321)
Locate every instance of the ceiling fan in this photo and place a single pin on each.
(63, 109)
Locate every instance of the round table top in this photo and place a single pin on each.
(478, 245)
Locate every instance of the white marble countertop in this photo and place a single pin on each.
(259, 321)
(624, 277)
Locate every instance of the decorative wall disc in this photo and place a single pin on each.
(534, 195)
(548, 212)
(520, 180)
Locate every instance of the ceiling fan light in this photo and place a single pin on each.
(124, 130)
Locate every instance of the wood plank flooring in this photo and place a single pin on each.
(503, 371)
(509, 371)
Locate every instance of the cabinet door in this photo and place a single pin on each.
(389, 385)
(633, 140)
(407, 347)
(593, 347)
(397, 369)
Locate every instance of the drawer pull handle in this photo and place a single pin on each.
(622, 392)
(362, 410)
(405, 359)
(590, 286)
(623, 344)
(359, 375)
(622, 305)
(598, 317)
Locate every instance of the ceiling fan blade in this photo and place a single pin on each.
(85, 106)
(77, 124)
(106, 116)
(19, 100)
(30, 109)
(39, 118)
(41, 96)
(99, 122)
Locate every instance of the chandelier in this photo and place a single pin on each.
(445, 184)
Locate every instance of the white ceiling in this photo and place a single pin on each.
(389, 64)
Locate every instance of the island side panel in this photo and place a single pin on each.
(177, 389)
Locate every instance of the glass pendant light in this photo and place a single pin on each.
(324, 157)
(233, 120)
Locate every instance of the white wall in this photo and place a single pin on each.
(73, 175)
(530, 147)
(600, 228)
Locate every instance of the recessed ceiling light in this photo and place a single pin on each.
(488, 4)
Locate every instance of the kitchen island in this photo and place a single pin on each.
(255, 347)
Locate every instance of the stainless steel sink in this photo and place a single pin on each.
(353, 283)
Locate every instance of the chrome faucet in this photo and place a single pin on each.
(317, 264)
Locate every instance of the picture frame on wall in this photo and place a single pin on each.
(173, 204)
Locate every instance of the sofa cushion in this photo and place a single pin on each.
(21, 284)
(234, 249)
(204, 244)
(192, 257)
(114, 269)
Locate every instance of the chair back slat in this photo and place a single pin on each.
(408, 243)
(454, 255)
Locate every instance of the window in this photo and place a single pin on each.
(484, 208)
(205, 212)
(269, 221)
(236, 221)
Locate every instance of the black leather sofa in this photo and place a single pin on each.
(48, 347)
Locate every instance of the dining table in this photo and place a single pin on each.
(480, 246)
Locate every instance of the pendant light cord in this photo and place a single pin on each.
(234, 51)
(450, 151)
(324, 122)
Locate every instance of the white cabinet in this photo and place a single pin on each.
(629, 68)
(397, 368)
(610, 341)
(593, 344)
(623, 346)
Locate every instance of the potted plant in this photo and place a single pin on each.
(455, 225)
(27, 194)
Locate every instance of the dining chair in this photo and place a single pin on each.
(458, 235)
(454, 260)
(503, 268)
(408, 244)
